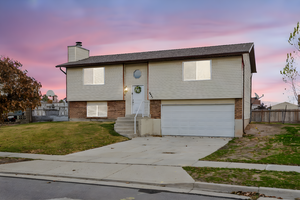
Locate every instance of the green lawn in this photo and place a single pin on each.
(283, 149)
(57, 138)
(246, 177)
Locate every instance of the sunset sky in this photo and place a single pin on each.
(37, 33)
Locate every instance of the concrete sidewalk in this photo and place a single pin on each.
(88, 159)
(163, 177)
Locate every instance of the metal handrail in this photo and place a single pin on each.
(143, 113)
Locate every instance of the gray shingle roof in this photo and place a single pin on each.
(173, 54)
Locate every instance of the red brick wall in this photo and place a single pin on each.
(155, 109)
(238, 109)
(115, 109)
(77, 109)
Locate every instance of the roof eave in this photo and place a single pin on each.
(161, 59)
(252, 60)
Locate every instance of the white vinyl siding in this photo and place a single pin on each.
(166, 80)
(247, 88)
(96, 109)
(93, 76)
(196, 70)
(111, 90)
(76, 53)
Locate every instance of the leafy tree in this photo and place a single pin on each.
(290, 72)
(262, 106)
(45, 98)
(17, 90)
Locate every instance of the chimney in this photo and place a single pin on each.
(78, 44)
(76, 52)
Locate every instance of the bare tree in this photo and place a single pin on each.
(290, 72)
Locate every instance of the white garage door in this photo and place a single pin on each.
(198, 120)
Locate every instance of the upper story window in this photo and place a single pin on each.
(137, 74)
(196, 70)
(93, 76)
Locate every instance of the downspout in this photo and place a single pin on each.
(66, 93)
(243, 67)
(63, 71)
(251, 103)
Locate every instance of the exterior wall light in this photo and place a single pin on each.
(125, 89)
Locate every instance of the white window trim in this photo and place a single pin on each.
(87, 114)
(93, 76)
(196, 69)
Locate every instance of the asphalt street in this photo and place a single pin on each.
(23, 189)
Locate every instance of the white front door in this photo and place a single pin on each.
(138, 94)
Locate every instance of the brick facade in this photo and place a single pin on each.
(115, 109)
(77, 109)
(238, 112)
(155, 109)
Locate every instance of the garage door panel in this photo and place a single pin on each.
(198, 120)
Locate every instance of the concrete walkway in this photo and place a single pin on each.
(149, 162)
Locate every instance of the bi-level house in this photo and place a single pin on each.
(203, 91)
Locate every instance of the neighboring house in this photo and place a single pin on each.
(284, 105)
(51, 110)
(255, 103)
(203, 91)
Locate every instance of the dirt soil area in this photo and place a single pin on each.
(258, 145)
(264, 129)
(5, 160)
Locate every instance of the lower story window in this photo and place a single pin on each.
(96, 109)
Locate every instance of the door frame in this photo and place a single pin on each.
(132, 89)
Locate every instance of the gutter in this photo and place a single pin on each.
(63, 71)
(146, 60)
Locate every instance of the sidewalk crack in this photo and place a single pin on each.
(116, 172)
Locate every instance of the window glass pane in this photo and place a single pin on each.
(102, 109)
(88, 76)
(96, 109)
(99, 75)
(92, 110)
(203, 70)
(197, 70)
(137, 74)
(189, 70)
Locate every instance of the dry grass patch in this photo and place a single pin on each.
(57, 138)
(246, 177)
(266, 144)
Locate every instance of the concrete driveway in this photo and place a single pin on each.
(163, 151)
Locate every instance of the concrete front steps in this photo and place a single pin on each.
(125, 126)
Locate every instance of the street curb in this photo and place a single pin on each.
(164, 188)
(278, 192)
(284, 193)
(195, 187)
(224, 187)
